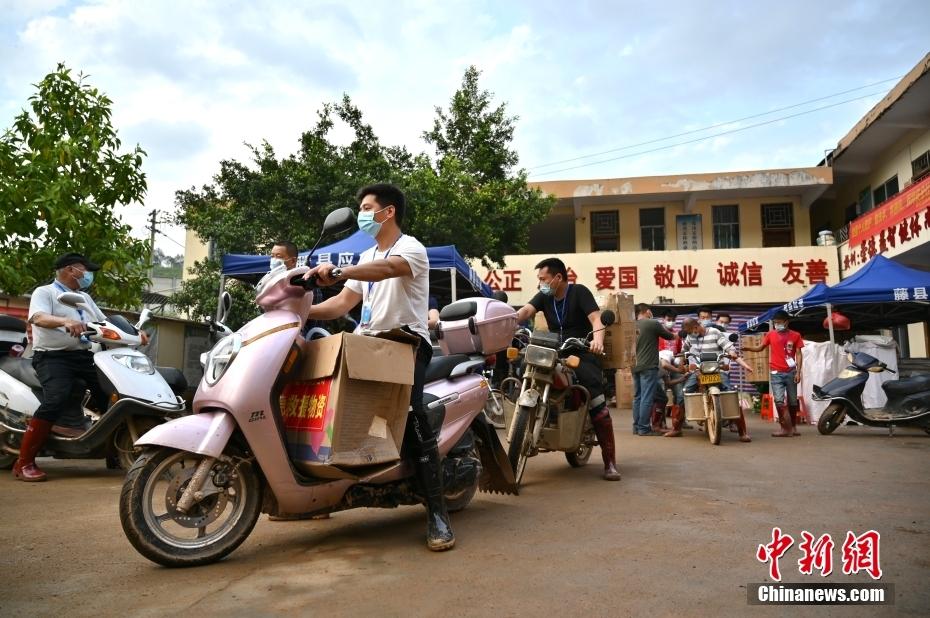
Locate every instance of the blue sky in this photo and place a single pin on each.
(191, 81)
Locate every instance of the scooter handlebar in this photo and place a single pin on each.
(307, 284)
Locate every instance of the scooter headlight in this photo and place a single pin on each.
(221, 357)
(136, 362)
(710, 367)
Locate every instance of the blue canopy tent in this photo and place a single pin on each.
(881, 294)
(451, 277)
(760, 322)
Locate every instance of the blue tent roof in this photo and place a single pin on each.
(792, 307)
(882, 293)
(347, 251)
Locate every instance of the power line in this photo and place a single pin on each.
(169, 238)
(714, 126)
(713, 135)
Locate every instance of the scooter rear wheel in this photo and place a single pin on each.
(212, 528)
(830, 419)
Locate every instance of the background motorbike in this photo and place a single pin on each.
(509, 386)
(140, 397)
(711, 406)
(551, 411)
(908, 398)
(196, 492)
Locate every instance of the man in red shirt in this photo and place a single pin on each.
(785, 362)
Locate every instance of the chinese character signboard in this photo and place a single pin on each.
(732, 275)
(899, 224)
(689, 232)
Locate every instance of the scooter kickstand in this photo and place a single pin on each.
(891, 430)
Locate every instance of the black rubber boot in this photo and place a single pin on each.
(439, 536)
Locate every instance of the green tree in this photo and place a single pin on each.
(61, 176)
(473, 184)
(470, 185)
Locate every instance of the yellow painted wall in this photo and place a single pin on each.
(896, 160)
(750, 215)
(195, 250)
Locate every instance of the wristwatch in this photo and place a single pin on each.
(335, 273)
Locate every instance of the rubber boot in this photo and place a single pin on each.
(655, 417)
(25, 468)
(795, 412)
(604, 430)
(741, 428)
(439, 536)
(678, 418)
(784, 419)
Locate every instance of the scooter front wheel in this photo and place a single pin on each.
(830, 419)
(6, 459)
(216, 524)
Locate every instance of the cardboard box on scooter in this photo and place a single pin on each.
(348, 406)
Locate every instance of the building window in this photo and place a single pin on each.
(777, 225)
(920, 166)
(865, 200)
(605, 231)
(885, 190)
(652, 224)
(726, 227)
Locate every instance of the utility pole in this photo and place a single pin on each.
(152, 230)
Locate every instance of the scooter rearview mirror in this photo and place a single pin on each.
(225, 306)
(608, 317)
(733, 337)
(143, 317)
(339, 220)
(72, 299)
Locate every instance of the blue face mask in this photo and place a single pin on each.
(545, 289)
(275, 263)
(367, 223)
(706, 323)
(85, 280)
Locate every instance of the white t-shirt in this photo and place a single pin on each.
(399, 301)
(45, 300)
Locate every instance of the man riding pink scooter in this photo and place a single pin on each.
(391, 280)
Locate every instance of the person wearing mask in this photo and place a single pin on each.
(701, 339)
(646, 371)
(571, 311)
(391, 281)
(785, 360)
(61, 357)
(283, 253)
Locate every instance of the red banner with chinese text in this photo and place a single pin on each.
(903, 205)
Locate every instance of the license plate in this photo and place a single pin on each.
(709, 378)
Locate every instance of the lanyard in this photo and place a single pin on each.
(61, 287)
(560, 315)
(371, 284)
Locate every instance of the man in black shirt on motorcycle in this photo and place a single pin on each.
(571, 311)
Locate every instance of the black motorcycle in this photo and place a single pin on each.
(908, 398)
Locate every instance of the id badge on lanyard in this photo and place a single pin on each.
(366, 306)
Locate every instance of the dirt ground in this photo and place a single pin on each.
(678, 535)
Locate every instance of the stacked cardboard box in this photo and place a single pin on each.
(759, 361)
(623, 380)
(620, 338)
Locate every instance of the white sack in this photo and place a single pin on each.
(884, 349)
(821, 363)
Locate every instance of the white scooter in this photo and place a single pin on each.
(139, 395)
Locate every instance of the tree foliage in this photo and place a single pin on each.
(468, 185)
(61, 176)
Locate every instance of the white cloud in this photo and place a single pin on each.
(192, 81)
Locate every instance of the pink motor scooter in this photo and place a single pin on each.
(202, 481)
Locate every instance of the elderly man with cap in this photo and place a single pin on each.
(62, 356)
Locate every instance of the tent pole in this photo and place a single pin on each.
(454, 282)
(219, 297)
(830, 322)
